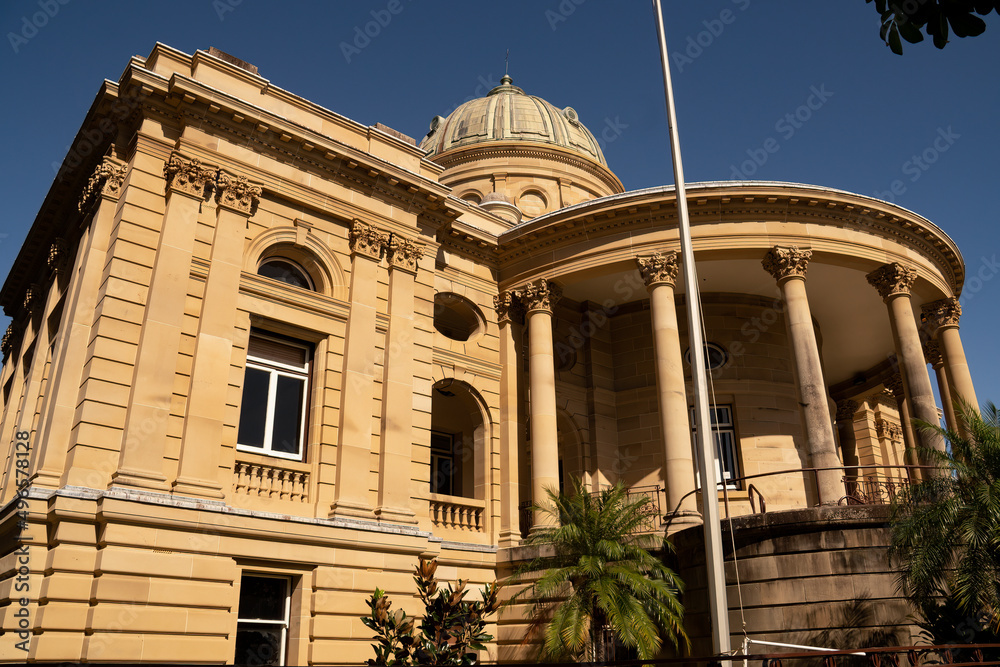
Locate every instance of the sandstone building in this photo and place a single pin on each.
(264, 358)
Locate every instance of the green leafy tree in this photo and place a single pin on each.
(451, 631)
(945, 535)
(605, 579)
(905, 18)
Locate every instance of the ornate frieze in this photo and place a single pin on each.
(892, 279)
(888, 430)
(403, 253)
(784, 263)
(509, 307)
(943, 312)
(237, 193)
(659, 268)
(367, 240)
(932, 353)
(540, 295)
(187, 175)
(107, 179)
(57, 256)
(846, 410)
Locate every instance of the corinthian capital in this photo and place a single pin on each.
(932, 353)
(7, 343)
(894, 383)
(366, 240)
(187, 175)
(785, 263)
(892, 279)
(403, 253)
(57, 255)
(846, 410)
(237, 193)
(658, 269)
(540, 295)
(107, 179)
(509, 308)
(943, 312)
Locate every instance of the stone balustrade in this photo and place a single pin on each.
(457, 513)
(262, 481)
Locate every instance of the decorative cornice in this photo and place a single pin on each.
(785, 263)
(540, 295)
(237, 193)
(943, 312)
(402, 253)
(888, 430)
(846, 410)
(932, 354)
(187, 175)
(509, 308)
(57, 255)
(892, 280)
(107, 180)
(659, 268)
(367, 240)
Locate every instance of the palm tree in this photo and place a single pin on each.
(604, 581)
(946, 529)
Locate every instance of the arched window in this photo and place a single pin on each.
(286, 271)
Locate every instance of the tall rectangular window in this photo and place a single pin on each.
(273, 409)
(262, 621)
(726, 459)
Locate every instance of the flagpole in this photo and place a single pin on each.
(718, 605)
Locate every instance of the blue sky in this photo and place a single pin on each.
(740, 67)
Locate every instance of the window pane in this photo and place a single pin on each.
(286, 272)
(263, 598)
(253, 409)
(258, 644)
(287, 415)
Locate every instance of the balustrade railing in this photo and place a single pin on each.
(456, 513)
(262, 481)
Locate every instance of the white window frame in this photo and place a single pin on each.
(717, 428)
(284, 622)
(277, 369)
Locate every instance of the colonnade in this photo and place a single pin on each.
(788, 266)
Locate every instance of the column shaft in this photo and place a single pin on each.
(509, 314)
(913, 368)
(956, 367)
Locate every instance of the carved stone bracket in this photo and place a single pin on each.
(188, 175)
(58, 255)
(367, 240)
(403, 253)
(892, 279)
(540, 295)
(785, 263)
(659, 268)
(107, 180)
(943, 312)
(846, 410)
(888, 430)
(932, 354)
(237, 193)
(509, 308)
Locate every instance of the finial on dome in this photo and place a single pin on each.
(506, 86)
(505, 80)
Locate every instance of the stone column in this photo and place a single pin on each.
(944, 315)
(932, 355)
(97, 204)
(894, 383)
(846, 410)
(354, 444)
(204, 420)
(143, 444)
(510, 317)
(659, 272)
(788, 266)
(395, 463)
(893, 282)
(539, 299)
